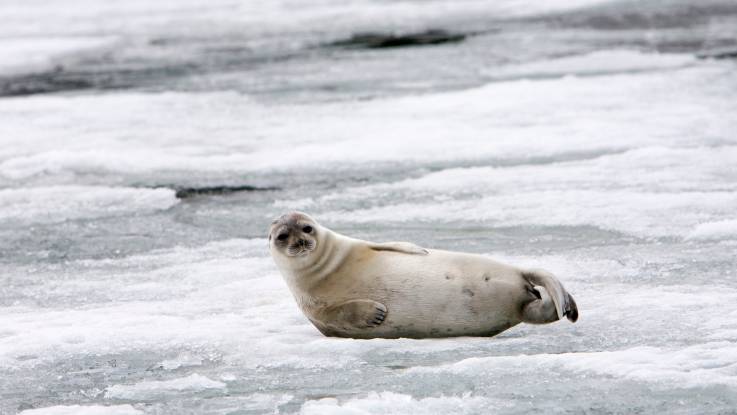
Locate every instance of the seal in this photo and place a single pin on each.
(353, 288)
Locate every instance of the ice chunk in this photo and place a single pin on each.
(723, 229)
(83, 410)
(151, 389)
(35, 54)
(710, 363)
(398, 403)
(627, 191)
(59, 203)
(632, 212)
(183, 360)
(595, 63)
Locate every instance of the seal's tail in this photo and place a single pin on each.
(551, 305)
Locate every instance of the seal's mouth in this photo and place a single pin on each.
(301, 248)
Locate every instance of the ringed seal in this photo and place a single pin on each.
(352, 288)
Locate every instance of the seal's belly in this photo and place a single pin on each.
(444, 294)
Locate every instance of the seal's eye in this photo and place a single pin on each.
(307, 229)
(283, 236)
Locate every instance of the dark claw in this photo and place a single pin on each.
(379, 317)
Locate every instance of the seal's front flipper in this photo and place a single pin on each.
(353, 314)
(403, 247)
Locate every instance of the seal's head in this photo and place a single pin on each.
(294, 234)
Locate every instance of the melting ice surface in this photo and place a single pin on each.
(597, 139)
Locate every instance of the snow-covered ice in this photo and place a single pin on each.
(62, 203)
(591, 138)
(84, 410)
(149, 390)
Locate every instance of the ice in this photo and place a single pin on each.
(84, 410)
(61, 203)
(723, 229)
(182, 360)
(595, 63)
(588, 138)
(116, 326)
(212, 300)
(626, 192)
(707, 364)
(271, 18)
(40, 54)
(59, 44)
(634, 213)
(153, 389)
(501, 121)
(396, 403)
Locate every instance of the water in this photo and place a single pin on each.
(596, 139)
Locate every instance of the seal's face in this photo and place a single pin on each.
(293, 234)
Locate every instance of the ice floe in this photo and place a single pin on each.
(699, 365)
(83, 410)
(152, 389)
(583, 137)
(397, 403)
(516, 120)
(722, 229)
(595, 63)
(60, 203)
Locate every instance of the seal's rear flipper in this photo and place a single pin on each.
(553, 301)
(572, 312)
(403, 247)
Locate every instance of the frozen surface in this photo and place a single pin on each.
(145, 147)
(62, 203)
(84, 410)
